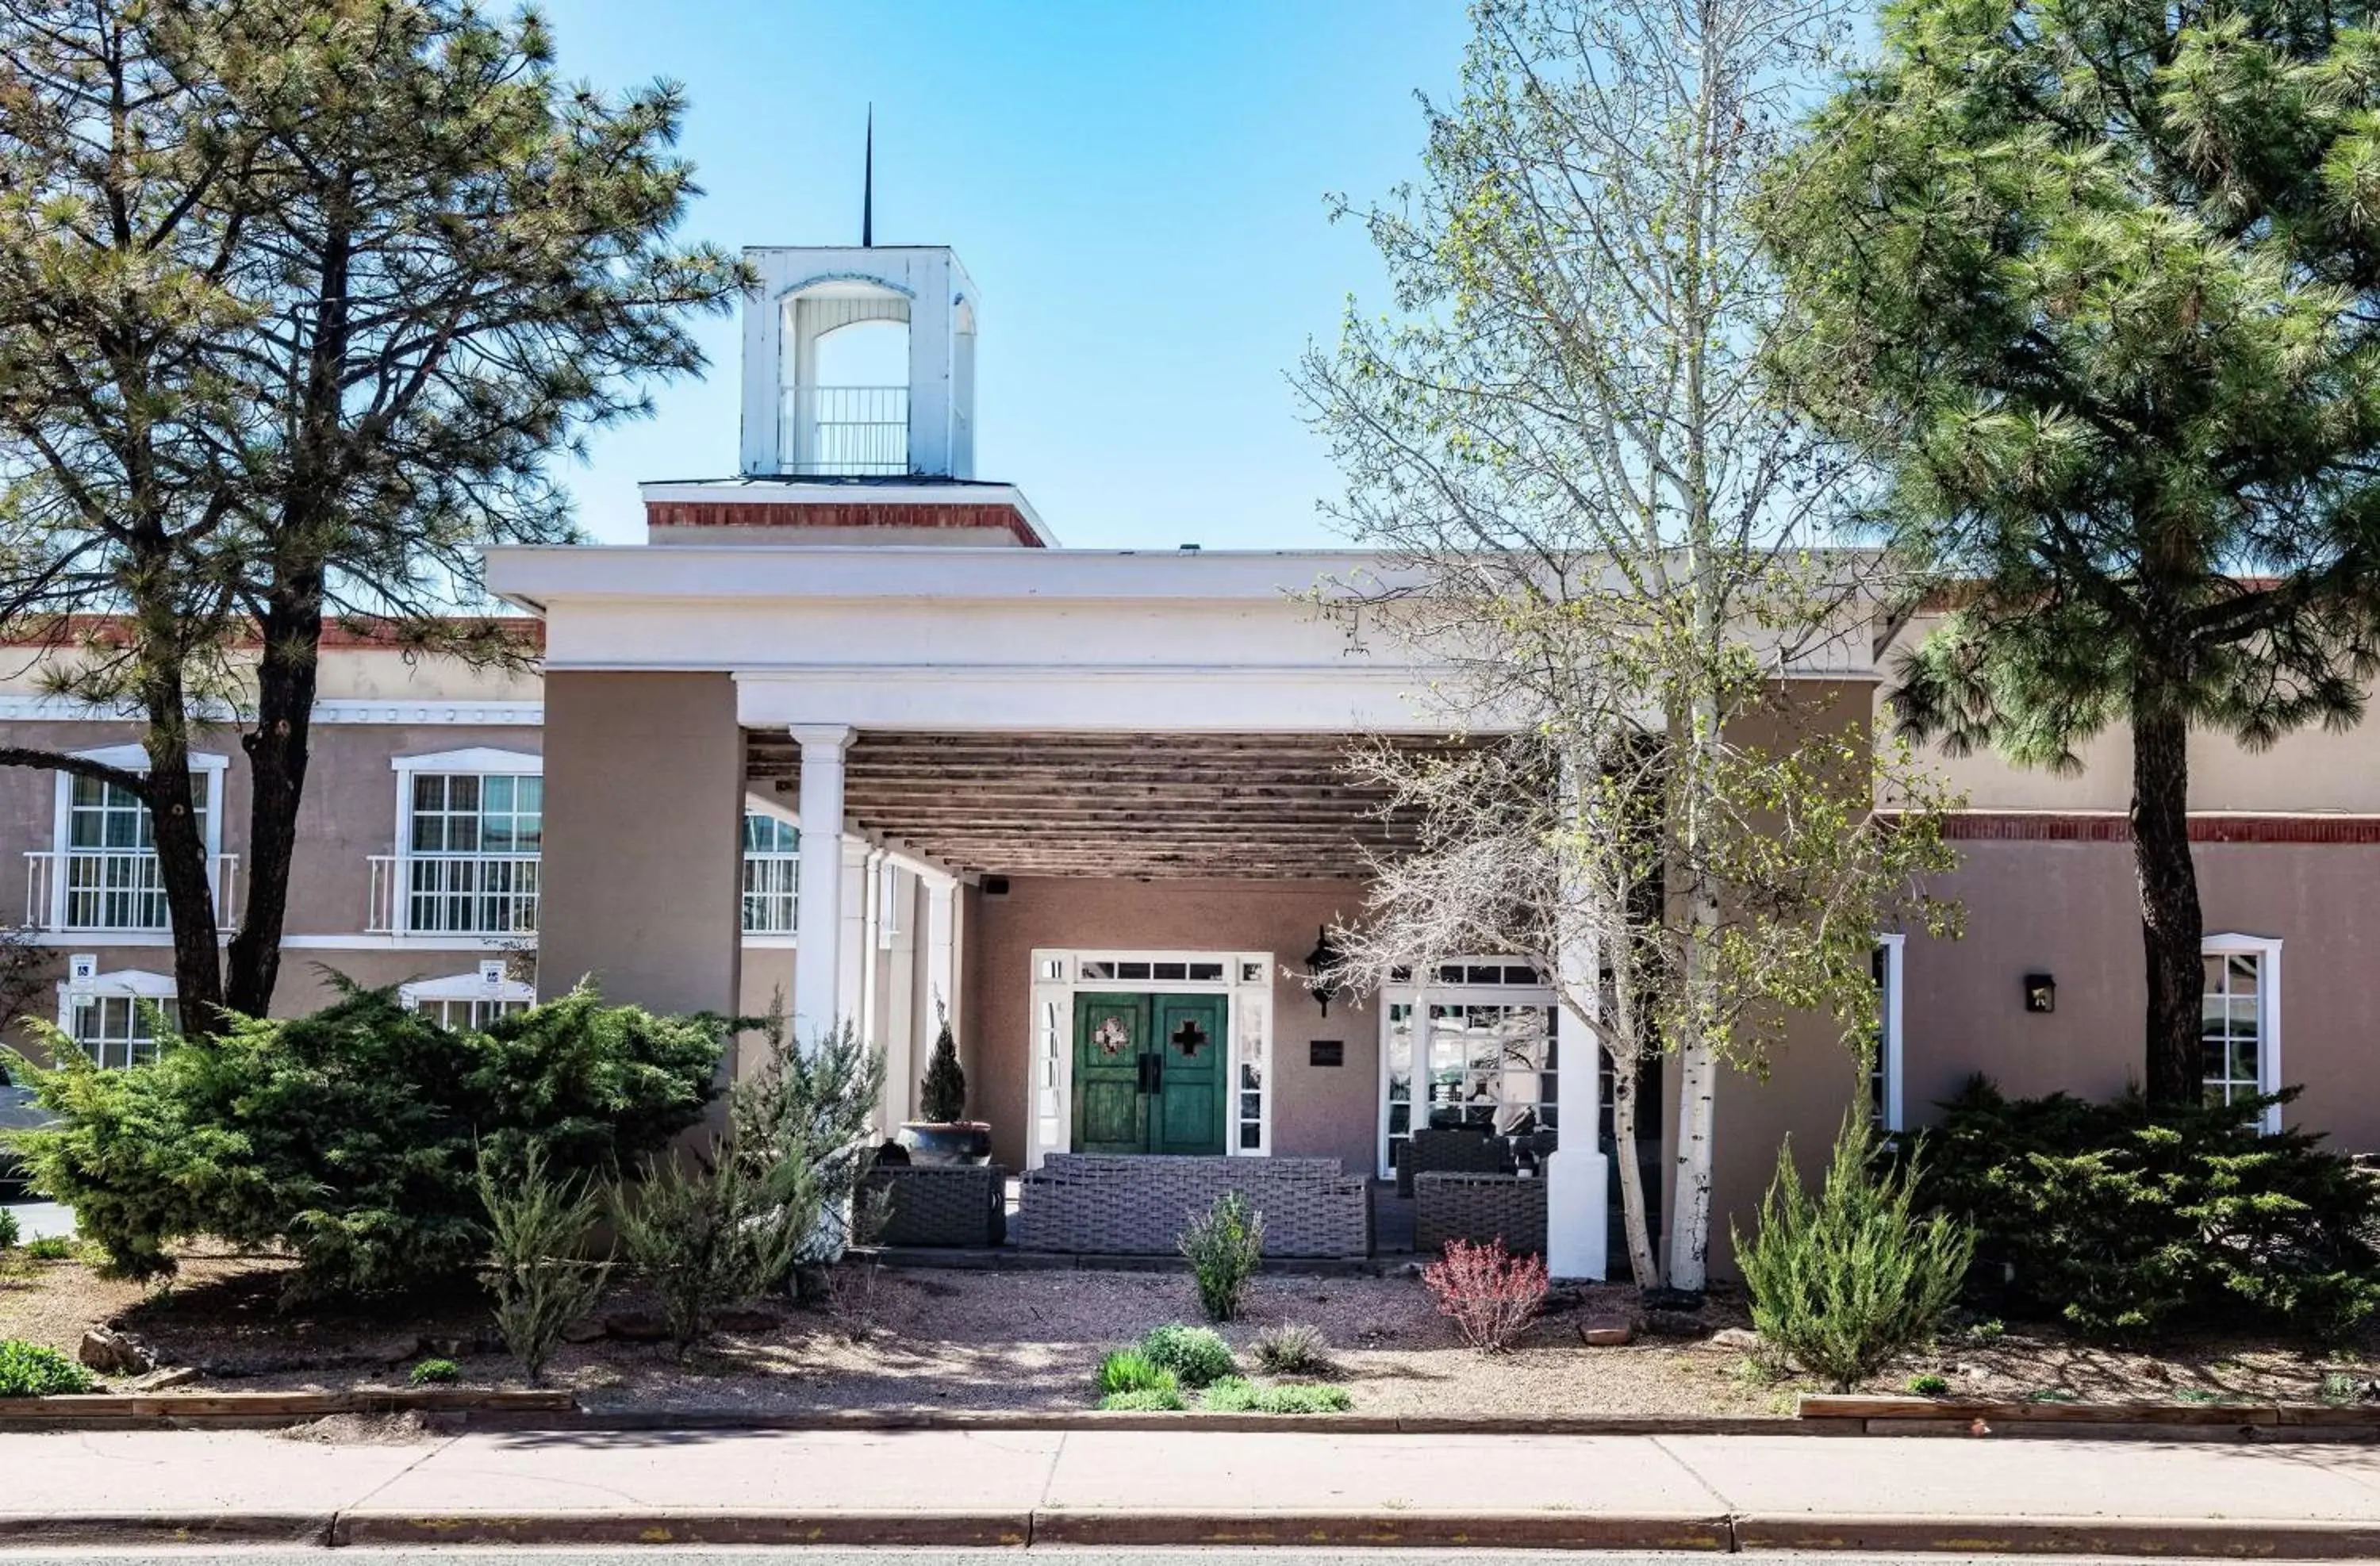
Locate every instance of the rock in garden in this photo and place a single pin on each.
(112, 1354)
(394, 1349)
(179, 1375)
(1606, 1334)
(745, 1321)
(586, 1329)
(636, 1327)
(1742, 1339)
(1676, 1324)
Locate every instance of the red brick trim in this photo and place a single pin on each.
(2041, 826)
(838, 514)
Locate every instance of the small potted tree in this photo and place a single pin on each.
(943, 1137)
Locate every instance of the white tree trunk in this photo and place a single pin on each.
(1644, 1268)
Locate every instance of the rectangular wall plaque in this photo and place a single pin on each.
(1326, 1053)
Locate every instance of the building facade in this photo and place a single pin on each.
(850, 731)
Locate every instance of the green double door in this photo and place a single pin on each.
(1151, 1073)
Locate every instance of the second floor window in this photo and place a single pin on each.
(100, 871)
(473, 840)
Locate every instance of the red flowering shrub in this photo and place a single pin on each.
(1492, 1297)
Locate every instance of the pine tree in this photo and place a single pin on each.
(942, 1098)
(2095, 286)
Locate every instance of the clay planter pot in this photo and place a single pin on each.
(957, 1142)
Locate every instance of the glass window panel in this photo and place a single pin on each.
(496, 796)
(1201, 972)
(1177, 971)
(2243, 975)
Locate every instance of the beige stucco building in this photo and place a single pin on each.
(850, 729)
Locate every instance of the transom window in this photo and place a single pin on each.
(2240, 1020)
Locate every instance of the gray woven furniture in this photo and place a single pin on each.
(1466, 1151)
(1091, 1204)
(942, 1205)
(1479, 1207)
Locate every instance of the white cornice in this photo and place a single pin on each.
(337, 711)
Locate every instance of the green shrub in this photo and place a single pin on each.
(1293, 1349)
(1129, 1370)
(713, 1232)
(1236, 1395)
(1196, 1355)
(8, 1230)
(352, 1136)
(50, 1248)
(942, 1096)
(435, 1373)
(1224, 1246)
(1929, 1386)
(537, 1272)
(30, 1370)
(2122, 1221)
(1151, 1400)
(1842, 1281)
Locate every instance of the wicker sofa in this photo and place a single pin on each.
(936, 1205)
(1091, 1204)
(1449, 1204)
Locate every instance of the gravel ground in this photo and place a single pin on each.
(899, 1338)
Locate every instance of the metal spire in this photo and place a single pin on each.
(868, 187)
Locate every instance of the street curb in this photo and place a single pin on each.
(22, 1529)
(1384, 1529)
(923, 1529)
(2188, 1538)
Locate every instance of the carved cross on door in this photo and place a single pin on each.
(1189, 1038)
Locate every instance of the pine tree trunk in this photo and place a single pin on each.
(277, 754)
(185, 872)
(2170, 922)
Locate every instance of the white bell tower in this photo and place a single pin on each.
(860, 362)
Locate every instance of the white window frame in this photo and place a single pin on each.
(490, 984)
(210, 765)
(1423, 994)
(1058, 979)
(1891, 1043)
(85, 982)
(481, 761)
(2268, 950)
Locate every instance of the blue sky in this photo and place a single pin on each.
(1137, 187)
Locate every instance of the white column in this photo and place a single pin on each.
(819, 891)
(851, 950)
(1578, 1175)
(937, 953)
(871, 950)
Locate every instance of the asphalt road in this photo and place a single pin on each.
(667, 1555)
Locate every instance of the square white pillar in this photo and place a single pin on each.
(1578, 1175)
(937, 958)
(817, 936)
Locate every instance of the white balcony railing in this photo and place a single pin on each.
(771, 884)
(113, 890)
(843, 429)
(490, 894)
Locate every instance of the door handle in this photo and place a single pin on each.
(1152, 1074)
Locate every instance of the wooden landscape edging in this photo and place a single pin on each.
(1890, 1416)
(81, 1407)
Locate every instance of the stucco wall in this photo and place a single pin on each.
(1317, 1111)
(2070, 910)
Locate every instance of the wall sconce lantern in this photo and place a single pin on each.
(1322, 969)
(2040, 992)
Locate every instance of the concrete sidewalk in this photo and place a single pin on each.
(1195, 1488)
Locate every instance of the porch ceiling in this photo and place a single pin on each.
(1241, 806)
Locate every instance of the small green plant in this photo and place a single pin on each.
(2339, 1388)
(1991, 1330)
(50, 1248)
(1224, 1246)
(8, 1230)
(1129, 1370)
(435, 1373)
(1844, 1280)
(1293, 1349)
(1929, 1386)
(1196, 1355)
(1148, 1400)
(942, 1096)
(2050, 1394)
(31, 1370)
(1238, 1395)
(538, 1227)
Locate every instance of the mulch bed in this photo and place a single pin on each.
(901, 1339)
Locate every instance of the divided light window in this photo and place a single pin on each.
(772, 874)
(111, 860)
(115, 1030)
(2231, 1025)
(472, 846)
